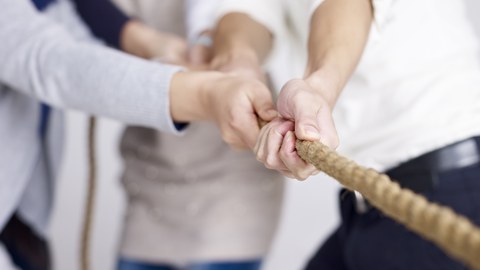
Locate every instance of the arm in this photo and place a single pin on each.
(339, 30)
(339, 33)
(245, 34)
(45, 63)
(109, 23)
(104, 19)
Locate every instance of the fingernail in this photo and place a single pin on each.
(272, 113)
(311, 132)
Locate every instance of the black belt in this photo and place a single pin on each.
(421, 174)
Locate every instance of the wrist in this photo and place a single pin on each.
(327, 82)
(190, 95)
(133, 38)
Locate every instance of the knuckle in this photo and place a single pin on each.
(335, 142)
(259, 155)
(302, 175)
(229, 138)
(271, 161)
(236, 123)
(268, 166)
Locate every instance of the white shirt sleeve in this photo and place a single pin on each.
(381, 10)
(41, 59)
(200, 17)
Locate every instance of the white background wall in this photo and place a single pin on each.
(309, 212)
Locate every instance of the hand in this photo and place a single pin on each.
(200, 54)
(275, 148)
(143, 41)
(233, 102)
(300, 102)
(306, 114)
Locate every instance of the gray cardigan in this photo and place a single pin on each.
(50, 58)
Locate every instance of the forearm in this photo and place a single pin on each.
(46, 63)
(339, 31)
(239, 35)
(188, 97)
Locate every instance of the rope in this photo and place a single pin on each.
(455, 234)
(88, 216)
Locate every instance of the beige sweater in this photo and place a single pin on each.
(191, 198)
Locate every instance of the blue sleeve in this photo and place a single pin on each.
(104, 19)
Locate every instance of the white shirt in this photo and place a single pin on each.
(415, 88)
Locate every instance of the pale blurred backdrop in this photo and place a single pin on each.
(309, 214)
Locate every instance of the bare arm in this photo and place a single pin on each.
(239, 34)
(339, 31)
(245, 35)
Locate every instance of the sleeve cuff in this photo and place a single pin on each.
(166, 122)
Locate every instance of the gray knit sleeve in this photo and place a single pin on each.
(42, 60)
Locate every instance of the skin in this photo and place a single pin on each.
(232, 101)
(143, 41)
(339, 30)
(240, 46)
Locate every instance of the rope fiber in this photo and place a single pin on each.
(453, 233)
(90, 202)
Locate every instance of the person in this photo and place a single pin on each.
(212, 208)
(49, 57)
(399, 78)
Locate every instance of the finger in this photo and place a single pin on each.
(300, 169)
(239, 146)
(328, 132)
(263, 103)
(306, 122)
(297, 102)
(246, 126)
(288, 174)
(276, 134)
(260, 148)
(273, 144)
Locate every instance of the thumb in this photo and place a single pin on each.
(306, 124)
(264, 107)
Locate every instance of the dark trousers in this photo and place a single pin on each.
(371, 241)
(27, 250)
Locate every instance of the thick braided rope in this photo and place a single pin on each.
(455, 234)
(90, 201)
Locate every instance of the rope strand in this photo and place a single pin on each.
(89, 206)
(455, 234)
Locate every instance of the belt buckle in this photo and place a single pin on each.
(361, 205)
